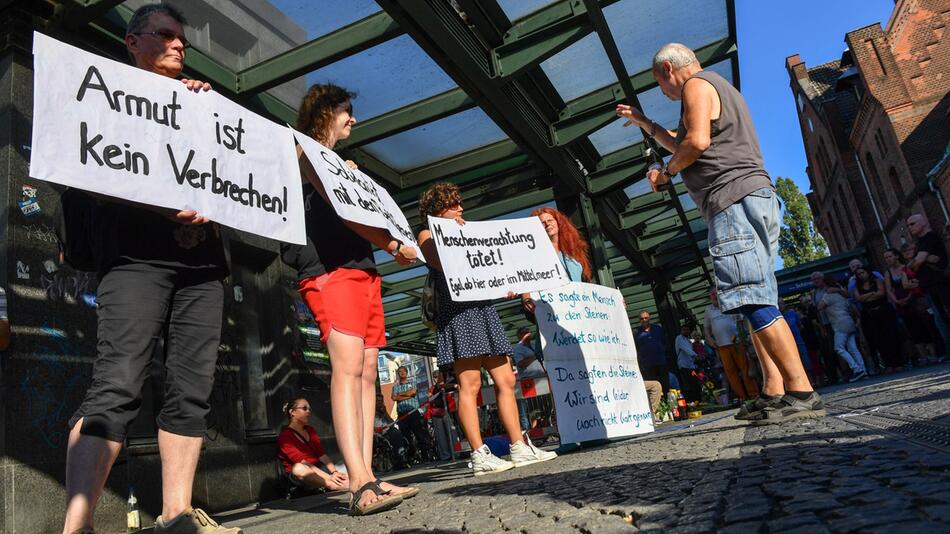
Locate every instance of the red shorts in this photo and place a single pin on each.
(349, 301)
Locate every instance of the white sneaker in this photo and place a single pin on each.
(484, 462)
(525, 453)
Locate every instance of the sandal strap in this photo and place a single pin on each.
(379, 484)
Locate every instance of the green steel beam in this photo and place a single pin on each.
(641, 216)
(408, 117)
(451, 43)
(618, 176)
(352, 39)
(462, 162)
(588, 113)
(399, 304)
(598, 250)
(78, 13)
(539, 36)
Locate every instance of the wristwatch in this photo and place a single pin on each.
(395, 251)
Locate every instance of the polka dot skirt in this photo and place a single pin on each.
(467, 329)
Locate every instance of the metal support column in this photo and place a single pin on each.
(669, 318)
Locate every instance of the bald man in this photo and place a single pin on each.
(930, 264)
(716, 150)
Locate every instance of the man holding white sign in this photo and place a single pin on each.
(166, 277)
(591, 360)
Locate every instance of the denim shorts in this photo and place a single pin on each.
(743, 241)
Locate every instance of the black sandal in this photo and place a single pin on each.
(387, 502)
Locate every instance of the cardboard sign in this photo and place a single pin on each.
(121, 131)
(591, 361)
(485, 260)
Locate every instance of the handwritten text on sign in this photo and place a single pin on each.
(486, 260)
(591, 361)
(354, 196)
(120, 131)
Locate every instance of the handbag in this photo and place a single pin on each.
(429, 301)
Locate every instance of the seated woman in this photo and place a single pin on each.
(299, 449)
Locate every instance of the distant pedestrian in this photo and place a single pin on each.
(930, 264)
(913, 307)
(795, 325)
(651, 351)
(407, 408)
(723, 333)
(841, 315)
(878, 319)
(686, 363)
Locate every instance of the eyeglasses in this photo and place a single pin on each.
(304, 408)
(167, 37)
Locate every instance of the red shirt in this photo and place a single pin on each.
(292, 449)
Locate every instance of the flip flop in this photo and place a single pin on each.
(386, 503)
(411, 492)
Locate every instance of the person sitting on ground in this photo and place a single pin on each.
(470, 336)
(841, 314)
(299, 450)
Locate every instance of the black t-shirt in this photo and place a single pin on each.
(130, 234)
(931, 274)
(330, 243)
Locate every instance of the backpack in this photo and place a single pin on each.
(429, 302)
(76, 229)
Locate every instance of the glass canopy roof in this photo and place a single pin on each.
(541, 133)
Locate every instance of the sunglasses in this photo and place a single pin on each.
(167, 37)
(304, 408)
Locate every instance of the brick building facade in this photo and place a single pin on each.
(875, 125)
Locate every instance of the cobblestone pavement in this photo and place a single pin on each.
(879, 463)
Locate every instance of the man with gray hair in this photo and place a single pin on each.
(716, 149)
(160, 275)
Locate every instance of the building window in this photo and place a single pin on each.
(811, 127)
(876, 184)
(895, 183)
(824, 160)
(849, 214)
(879, 141)
(801, 102)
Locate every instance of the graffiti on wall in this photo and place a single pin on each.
(48, 384)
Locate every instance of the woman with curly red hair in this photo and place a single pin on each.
(572, 249)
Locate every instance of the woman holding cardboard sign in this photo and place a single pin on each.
(339, 282)
(470, 336)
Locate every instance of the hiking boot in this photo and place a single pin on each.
(752, 408)
(791, 408)
(525, 453)
(484, 462)
(194, 521)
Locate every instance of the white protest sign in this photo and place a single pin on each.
(487, 259)
(120, 131)
(355, 196)
(591, 361)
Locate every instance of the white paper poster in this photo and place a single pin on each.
(355, 196)
(591, 360)
(120, 131)
(487, 259)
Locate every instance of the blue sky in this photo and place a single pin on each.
(770, 31)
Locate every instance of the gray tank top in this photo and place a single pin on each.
(732, 166)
